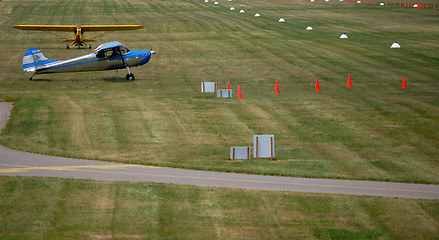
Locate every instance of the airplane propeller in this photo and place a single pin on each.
(153, 52)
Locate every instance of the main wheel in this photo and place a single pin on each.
(68, 46)
(130, 77)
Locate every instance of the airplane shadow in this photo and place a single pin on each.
(117, 80)
(41, 80)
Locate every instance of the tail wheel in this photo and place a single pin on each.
(130, 77)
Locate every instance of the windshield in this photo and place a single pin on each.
(110, 52)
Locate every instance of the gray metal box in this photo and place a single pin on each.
(263, 146)
(225, 93)
(239, 153)
(208, 87)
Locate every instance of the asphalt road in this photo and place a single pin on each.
(15, 163)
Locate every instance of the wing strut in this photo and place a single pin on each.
(129, 76)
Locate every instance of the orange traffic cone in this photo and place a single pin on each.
(349, 81)
(228, 85)
(404, 84)
(317, 85)
(276, 90)
(239, 92)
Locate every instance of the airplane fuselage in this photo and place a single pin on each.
(91, 62)
(78, 34)
(107, 56)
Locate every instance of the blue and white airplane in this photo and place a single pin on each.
(107, 56)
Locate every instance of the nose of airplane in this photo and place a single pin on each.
(152, 54)
(145, 55)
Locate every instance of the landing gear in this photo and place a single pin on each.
(130, 77)
(32, 76)
(74, 44)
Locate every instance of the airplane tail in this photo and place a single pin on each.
(34, 60)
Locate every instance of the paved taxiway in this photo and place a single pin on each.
(15, 163)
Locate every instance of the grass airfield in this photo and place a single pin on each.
(374, 130)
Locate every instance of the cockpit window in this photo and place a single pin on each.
(106, 53)
(110, 52)
(124, 49)
(100, 54)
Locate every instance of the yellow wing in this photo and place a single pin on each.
(53, 28)
(99, 28)
(71, 28)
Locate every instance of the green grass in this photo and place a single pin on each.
(48, 208)
(374, 130)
